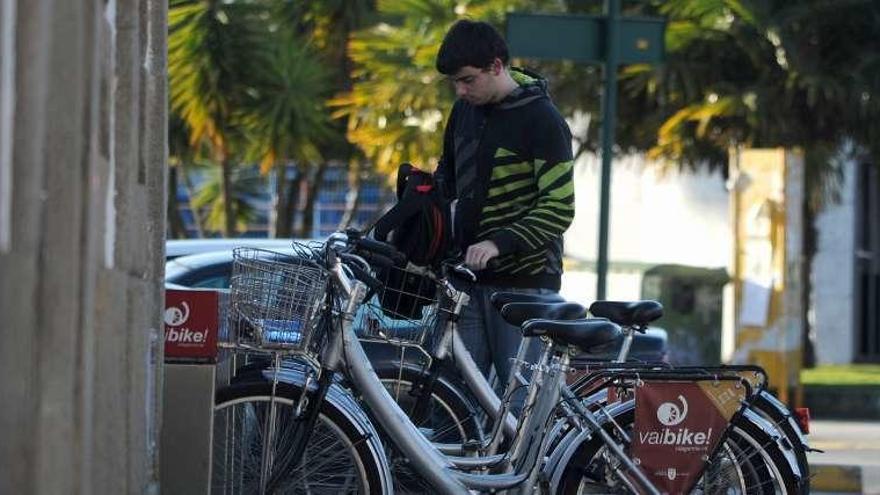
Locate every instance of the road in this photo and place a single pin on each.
(846, 443)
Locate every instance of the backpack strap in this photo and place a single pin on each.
(394, 218)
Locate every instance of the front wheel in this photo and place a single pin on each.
(254, 436)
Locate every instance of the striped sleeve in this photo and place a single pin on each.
(553, 209)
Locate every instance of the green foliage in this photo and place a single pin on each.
(763, 74)
(283, 113)
(856, 374)
(246, 85)
(250, 79)
(396, 107)
(211, 45)
(247, 185)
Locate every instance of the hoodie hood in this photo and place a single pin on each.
(532, 86)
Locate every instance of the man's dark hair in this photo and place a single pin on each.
(471, 43)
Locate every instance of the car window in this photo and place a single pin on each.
(212, 282)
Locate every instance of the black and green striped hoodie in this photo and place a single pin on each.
(509, 164)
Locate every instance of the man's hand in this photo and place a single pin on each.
(479, 254)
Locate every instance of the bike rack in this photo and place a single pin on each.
(193, 326)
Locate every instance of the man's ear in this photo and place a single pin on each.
(497, 66)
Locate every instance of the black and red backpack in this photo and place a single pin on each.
(418, 226)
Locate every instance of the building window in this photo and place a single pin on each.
(7, 102)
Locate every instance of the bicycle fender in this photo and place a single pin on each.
(558, 438)
(566, 448)
(771, 400)
(777, 436)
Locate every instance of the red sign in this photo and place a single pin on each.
(191, 325)
(678, 425)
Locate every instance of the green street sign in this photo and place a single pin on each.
(581, 38)
(570, 37)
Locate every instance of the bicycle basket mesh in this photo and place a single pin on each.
(275, 299)
(404, 311)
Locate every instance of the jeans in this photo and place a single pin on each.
(491, 340)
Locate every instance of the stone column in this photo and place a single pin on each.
(81, 268)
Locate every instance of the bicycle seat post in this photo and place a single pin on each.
(628, 334)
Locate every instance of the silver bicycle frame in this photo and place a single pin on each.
(437, 469)
(430, 463)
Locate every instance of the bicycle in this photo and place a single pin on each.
(426, 382)
(318, 329)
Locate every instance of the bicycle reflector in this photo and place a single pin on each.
(802, 415)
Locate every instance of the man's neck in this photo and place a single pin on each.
(505, 87)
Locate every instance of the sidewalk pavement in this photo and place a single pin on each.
(851, 461)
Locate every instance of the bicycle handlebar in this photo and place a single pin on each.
(361, 273)
(380, 249)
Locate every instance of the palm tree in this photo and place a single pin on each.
(285, 118)
(211, 45)
(245, 185)
(333, 23)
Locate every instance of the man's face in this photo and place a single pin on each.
(475, 85)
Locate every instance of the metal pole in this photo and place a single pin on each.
(609, 110)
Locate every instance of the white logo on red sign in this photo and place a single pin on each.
(174, 316)
(670, 414)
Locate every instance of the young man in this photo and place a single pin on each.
(507, 163)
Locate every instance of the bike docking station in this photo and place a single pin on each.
(193, 323)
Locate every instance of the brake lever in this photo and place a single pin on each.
(463, 270)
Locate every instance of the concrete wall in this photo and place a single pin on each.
(656, 218)
(833, 276)
(81, 245)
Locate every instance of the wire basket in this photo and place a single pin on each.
(403, 312)
(275, 299)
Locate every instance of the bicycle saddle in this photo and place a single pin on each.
(635, 313)
(499, 299)
(517, 313)
(585, 334)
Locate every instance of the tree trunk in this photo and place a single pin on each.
(228, 208)
(352, 197)
(199, 220)
(175, 221)
(293, 188)
(309, 210)
(280, 206)
(810, 238)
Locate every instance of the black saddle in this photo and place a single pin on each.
(585, 334)
(500, 299)
(628, 314)
(517, 313)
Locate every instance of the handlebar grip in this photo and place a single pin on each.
(492, 264)
(377, 260)
(382, 249)
(365, 277)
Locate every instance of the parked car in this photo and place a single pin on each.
(175, 248)
(214, 269)
(206, 270)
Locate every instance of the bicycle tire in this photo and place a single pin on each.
(759, 465)
(337, 460)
